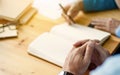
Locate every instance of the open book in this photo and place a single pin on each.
(54, 46)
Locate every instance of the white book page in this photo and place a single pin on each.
(51, 47)
(78, 32)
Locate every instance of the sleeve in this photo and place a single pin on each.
(99, 5)
(110, 67)
(117, 32)
(118, 3)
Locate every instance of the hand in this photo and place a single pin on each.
(108, 24)
(79, 58)
(74, 8)
(100, 54)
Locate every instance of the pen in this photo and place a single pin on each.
(67, 17)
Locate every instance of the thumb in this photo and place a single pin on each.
(80, 43)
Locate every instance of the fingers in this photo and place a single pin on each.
(107, 24)
(82, 49)
(98, 22)
(73, 11)
(67, 8)
(97, 41)
(74, 62)
(89, 50)
(75, 8)
(102, 24)
(80, 43)
(79, 50)
(102, 51)
(101, 27)
(69, 20)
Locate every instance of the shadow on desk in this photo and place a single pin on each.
(117, 50)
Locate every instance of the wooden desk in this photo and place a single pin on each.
(14, 59)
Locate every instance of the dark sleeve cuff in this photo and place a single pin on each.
(99, 5)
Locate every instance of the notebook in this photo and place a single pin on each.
(13, 9)
(27, 16)
(54, 45)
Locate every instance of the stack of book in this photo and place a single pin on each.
(15, 12)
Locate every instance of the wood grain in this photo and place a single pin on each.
(14, 59)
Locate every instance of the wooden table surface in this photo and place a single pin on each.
(14, 59)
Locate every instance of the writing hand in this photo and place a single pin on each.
(74, 8)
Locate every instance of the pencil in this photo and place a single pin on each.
(68, 18)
